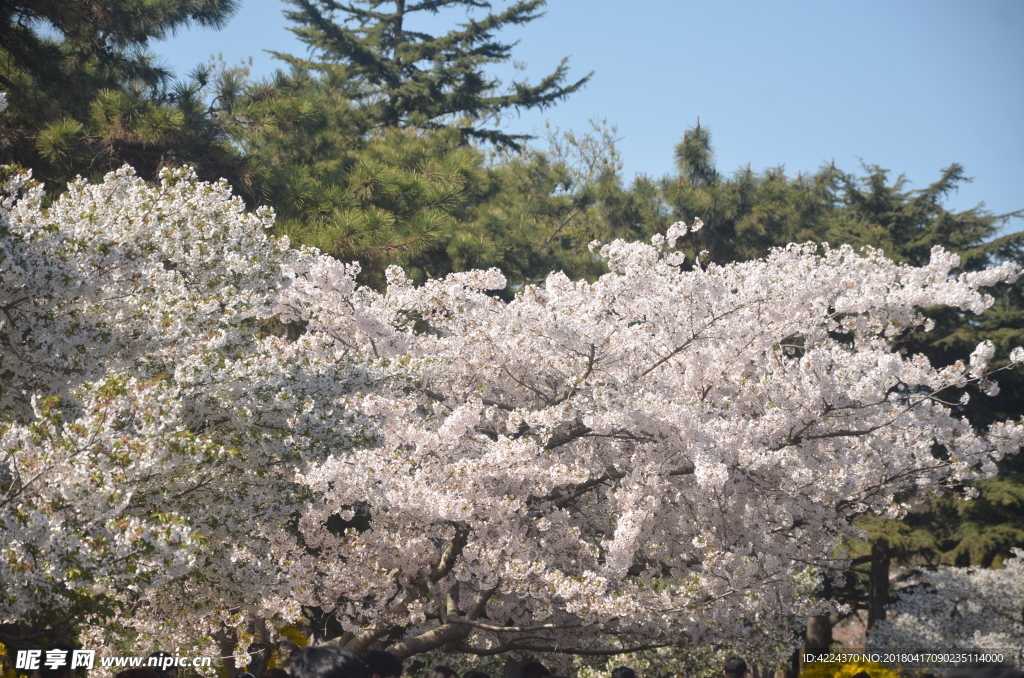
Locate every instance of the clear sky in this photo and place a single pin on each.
(910, 85)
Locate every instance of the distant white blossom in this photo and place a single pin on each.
(960, 608)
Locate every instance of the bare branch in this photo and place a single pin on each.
(555, 647)
(565, 222)
(437, 397)
(514, 629)
(566, 432)
(591, 361)
(451, 553)
(359, 643)
(686, 343)
(562, 496)
(450, 632)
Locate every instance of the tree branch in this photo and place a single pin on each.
(514, 629)
(554, 647)
(562, 225)
(575, 491)
(686, 343)
(359, 643)
(450, 632)
(566, 432)
(451, 553)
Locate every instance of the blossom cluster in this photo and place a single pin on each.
(146, 422)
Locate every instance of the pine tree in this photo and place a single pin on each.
(370, 149)
(86, 97)
(404, 77)
(424, 199)
(907, 224)
(105, 39)
(538, 212)
(745, 214)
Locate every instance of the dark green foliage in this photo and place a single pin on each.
(536, 213)
(381, 201)
(420, 197)
(377, 196)
(403, 77)
(984, 530)
(365, 150)
(744, 215)
(907, 225)
(981, 531)
(86, 97)
(57, 42)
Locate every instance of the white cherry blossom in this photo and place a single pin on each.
(663, 456)
(958, 609)
(150, 435)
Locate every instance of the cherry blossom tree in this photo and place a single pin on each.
(960, 608)
(663, 456)
(147, 428)
(667, 455)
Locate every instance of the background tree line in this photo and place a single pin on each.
(385, 146)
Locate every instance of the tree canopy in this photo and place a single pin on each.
(748, 213)
(664, 453)
(86, 96)
(401, 76)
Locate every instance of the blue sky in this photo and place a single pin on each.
(910, 85)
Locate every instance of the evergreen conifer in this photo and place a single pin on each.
(85, 96)
(403, 77)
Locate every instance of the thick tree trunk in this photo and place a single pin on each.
(226, 641)
(878, 585)
(794, 665)
(431, 640)
(819, 633)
